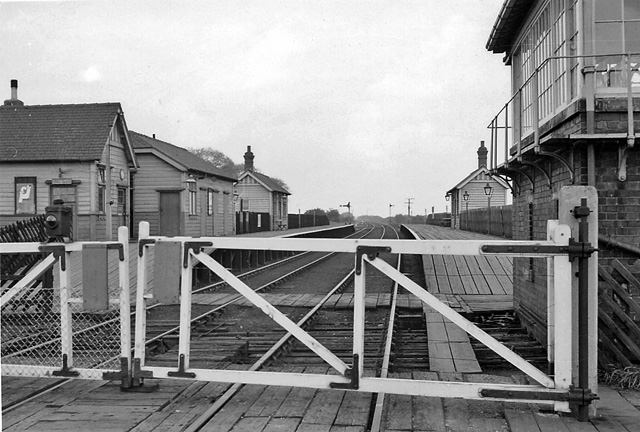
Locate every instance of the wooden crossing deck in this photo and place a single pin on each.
(100, 406)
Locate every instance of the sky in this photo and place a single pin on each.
(354, 101)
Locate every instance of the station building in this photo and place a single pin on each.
(179, 193)
(479, 189)
(81, 154)
(571, 120)
(260, 194)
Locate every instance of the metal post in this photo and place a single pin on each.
(581, 213)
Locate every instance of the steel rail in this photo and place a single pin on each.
(376, 421)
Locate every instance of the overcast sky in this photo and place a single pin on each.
(368, 102)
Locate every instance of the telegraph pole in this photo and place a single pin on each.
(408, 203)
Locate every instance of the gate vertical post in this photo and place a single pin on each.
(570, 197)
(551, 226)
(66, 326)
(141, 302)
(560, 312)
(125, 299)
(358, 311)
(184, 343)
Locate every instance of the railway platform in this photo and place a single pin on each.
(470, 286)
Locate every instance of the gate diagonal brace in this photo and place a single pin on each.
(197, 248)
(353, 373)
(372, 253)
(58, 251)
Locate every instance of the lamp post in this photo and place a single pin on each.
(487, 191)
(390, 205)
(447, 196)
(465, 197)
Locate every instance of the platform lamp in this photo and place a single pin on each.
(487, 191)
(447, 196)
(465, 197)
(390, 205)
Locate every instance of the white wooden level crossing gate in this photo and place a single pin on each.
(564, 251)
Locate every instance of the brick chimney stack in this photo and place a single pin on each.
(248, 159)
(14, 101)
(482, 155)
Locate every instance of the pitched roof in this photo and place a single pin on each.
(474, 174)
(177, 154)
(55, 132)
(508, 24)
(270, 183)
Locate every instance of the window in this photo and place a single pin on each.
(617, 30)
(102, 189)
(193, 195)
(25, 195)
(209, 202)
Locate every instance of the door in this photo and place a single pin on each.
(169, 213)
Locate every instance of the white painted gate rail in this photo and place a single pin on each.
(556, 389)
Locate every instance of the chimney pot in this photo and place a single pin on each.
(482, 155)
(248, 159)
(14, 101)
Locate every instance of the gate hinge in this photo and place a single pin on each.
(581, 396)
(58, 251)
(65, 371)
(197, 248)
(574, 394)
(180, 373)
(371, 252)
(579, 249)
(353, 373)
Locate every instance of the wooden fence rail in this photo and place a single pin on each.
(28, 230)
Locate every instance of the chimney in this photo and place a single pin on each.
(482, 155)
(14, 101)
(248, 160)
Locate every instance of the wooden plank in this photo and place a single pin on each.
(323, 408)
(269, 402)
(483, 424)
(469, 284)
(548, 422)
(233, 411)
(428, 412)
(443, 284)
(354, 410)
(398, 409)
(250, 424)
(282, 424)
(428, 265)
(521, 420)
(462, 266)
(456, 410)
(615, 407)
(457, 287)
